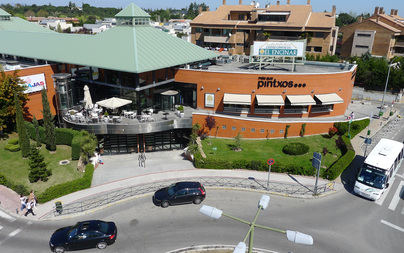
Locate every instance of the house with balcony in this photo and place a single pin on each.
(235, 27)
(380, 35)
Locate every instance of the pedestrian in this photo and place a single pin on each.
(23, 201)
(140, 159)
(30, 205)
(352, 115)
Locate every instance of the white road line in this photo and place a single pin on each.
(401, 176)
(392, 225)
(383, 197)
(15, 232)
(1, 227)
(396, 197)
(6, 216)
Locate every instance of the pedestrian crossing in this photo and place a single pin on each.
(10, 227)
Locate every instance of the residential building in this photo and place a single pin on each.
(95, 28)
(236, 27)
(53, 24)
(380, 35)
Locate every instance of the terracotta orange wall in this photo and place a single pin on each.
(34, 103)
(294, 129)
(245, 83)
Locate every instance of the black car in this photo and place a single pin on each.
(84, 235)
(180, 193)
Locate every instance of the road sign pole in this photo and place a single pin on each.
(269, 162)
(349, 129)
(317, 176)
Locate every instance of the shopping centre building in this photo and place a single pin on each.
(152, 75)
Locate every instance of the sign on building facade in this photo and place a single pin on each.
(34, 83)
(279, 48)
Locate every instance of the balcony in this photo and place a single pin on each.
(216, 39)
(399, 44)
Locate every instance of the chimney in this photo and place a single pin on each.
(240, 2)
(288, 2)
(377, 19)
(334, 10)
(392, 12)
(207, 8)
(381, 11)
(376, 11)
(199, 9)
(224, 2)
(360, 19)
(308, 2)
(396, 12)
(278, 2)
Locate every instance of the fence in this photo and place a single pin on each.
(105, 198)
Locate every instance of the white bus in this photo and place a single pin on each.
(379, 168)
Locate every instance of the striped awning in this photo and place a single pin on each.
(270, 100)
(237, 99)
(328, 99)
(297, 100)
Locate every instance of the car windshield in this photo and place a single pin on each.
(372, 177)
(171, 190)
(103, 227)
(73, 232)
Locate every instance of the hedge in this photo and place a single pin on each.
(343, 162)
(64, 136)
(12, 147)
(18, 188)
(13, 141)
(59, 190)
(295, 148)
(356, 127)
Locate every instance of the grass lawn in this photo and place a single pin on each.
(16, 169)
(265, 149)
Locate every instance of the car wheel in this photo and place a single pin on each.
(164, 204)
(197, 201)
(59, 250)
(101, 245)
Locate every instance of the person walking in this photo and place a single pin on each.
(23, 201)
(30, 205)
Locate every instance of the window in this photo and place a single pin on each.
(319, 35)
(308, 49)
(322, 108)
(262, 130)
(233, 128)
(236, 108)
(198, 29)
(281, 131)
(363, 35)
(253, 130)
(272, 131)
(224, 127)
(289, 109)
(318, 49)
(181, 192)
(242, 129)
(272, 109)
(272, 18)
(360, 46)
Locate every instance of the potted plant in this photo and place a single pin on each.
(181, 110)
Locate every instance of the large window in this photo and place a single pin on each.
(295, 109)
(266, 109)
(322, 108)
(272, 18)
(236, 108)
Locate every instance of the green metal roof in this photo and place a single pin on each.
(133, 49)
(21, 25)
(4, 13)
(134, 11)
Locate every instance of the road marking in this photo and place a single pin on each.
(383, 197)
(398, 175)
(392, 225)
(15, 232)
(1, 227)
(6, 216)
(29, 223)
(396, 197)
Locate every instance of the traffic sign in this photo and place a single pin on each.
(270, 161)
(316, 163)
(368, 141)
(317, 155)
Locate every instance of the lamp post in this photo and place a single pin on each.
(397, 64)
(241, 247)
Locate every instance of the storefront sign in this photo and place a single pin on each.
(279, 48)
(273, 82)
(34, 83)
(209, 100)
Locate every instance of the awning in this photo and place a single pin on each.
(269, 100)
(237, 99)
(113, 103)
(169, 93)
(328, 99)
(301, 100)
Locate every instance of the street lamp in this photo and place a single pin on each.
(241, 247)
(394, 65)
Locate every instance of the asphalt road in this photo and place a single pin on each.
(342, 222)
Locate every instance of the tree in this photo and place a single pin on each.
(210, 122)
(286, 131)
(59, 29)
(37, 166)
(9, 86)
(344, 19)
(42, 13)
(29, 13)
(37, 137)
(237, 142)
(50, 139)
(23, 138)
(87, 146)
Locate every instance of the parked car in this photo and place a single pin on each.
(180, 193)
(84, 235)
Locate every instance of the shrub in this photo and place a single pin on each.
(343, 162)
(64, 136)
(356, 127)
(342, 127)
(332, 131)
(13, 141)
(295, 148)
(12, 147)
(59, 190)
(76, 141)
(20, 189)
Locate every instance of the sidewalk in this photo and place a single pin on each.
(43, 210)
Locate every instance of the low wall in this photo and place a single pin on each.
(359, 93)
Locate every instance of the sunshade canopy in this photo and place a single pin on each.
(113, 103)
(88, 102)
(328, 99)
(169, 93)
(237, 99)
(269, 100)
(297, 100)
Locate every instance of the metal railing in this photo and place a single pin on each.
(105, 198)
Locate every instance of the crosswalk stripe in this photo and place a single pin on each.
(396, 197)
(392, 225)
(15, 232)
(6, 216)
(383, 197)
(1, 227)
(401, 176)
